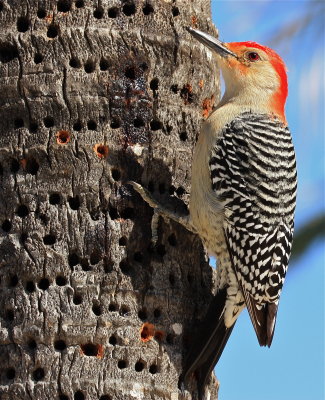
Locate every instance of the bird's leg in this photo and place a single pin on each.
(159, 210)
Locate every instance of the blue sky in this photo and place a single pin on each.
(293, 369)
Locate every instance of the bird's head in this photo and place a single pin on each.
(253, 73)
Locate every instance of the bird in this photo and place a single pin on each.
(242, 198)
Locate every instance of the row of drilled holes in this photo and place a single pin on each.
(138, 122)
(23, 23)
(38, 374)
(74, 202)
(127, 9)
(123, 310)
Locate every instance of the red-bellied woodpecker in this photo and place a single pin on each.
(243, 194)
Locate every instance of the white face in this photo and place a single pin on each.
(252, 71)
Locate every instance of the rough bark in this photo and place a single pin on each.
(94, 94)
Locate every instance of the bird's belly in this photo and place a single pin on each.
(207, 221)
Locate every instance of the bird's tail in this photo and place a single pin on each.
(208, 344)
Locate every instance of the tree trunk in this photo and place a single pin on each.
(94, 94)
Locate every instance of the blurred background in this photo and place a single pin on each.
(293, 369)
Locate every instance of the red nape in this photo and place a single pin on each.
(280, 97)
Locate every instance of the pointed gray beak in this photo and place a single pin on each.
(211, 42)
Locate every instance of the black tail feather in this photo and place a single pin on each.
(208, 343)
(205, 370)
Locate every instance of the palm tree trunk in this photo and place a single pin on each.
(94, 94)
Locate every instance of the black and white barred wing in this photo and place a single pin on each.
(253, 174)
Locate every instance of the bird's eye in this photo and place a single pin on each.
(253, 56)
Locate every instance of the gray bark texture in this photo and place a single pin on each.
(94, 94)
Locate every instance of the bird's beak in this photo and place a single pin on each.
(211, 42)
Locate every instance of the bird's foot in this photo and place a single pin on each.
(159, 210)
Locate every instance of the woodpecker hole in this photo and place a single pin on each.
(30, 287)
(60, 345)
(32, 166)
(153, 369)
(74, 202)
(175, 11)
(142, 314)
(105, 397)
(138, 122)
(61, 280)
(92, 125)
(155, 125)
(49, 239)
(38, 58)
(89, 67)
(74, 63)
(101, 150)
(122, 241)
(52, 31)
(180, 191)
(33, 126)
(122, 364)
(63, 137)
(18, 123)
(112, 307)
(129, 9)
(147, 9)
(23, 24)
(154, 84)
(22, 211)
(124, 311)
(96, 309)
(113, 12)
(73, 259)
(183, 136)
(186, 94)
(38, 374)
(6, 225)
(147, 332)
(115, 123)
(32, 345)
(116, 175)
(80, 3)
(8, 52)
(99, 13)
(103, 64)
(13, 281)
(79, 395)
(48, 122)
(54, 198)
(77, 126)
(112, 340)
(85, 265)
(139, 366)
(10, 373)
(41, 13)
(92, 350)
(64, 6)
(125, 267)
(130, 72)
(44, 284)
(77, 299)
